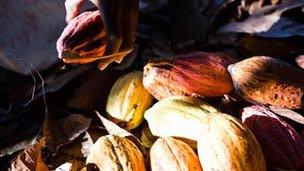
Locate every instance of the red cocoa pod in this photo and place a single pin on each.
(302, 134)
(83, 39)
(281, 144)
(269, 81)
(194, 74)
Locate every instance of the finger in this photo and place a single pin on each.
(111, 14)
(72, 8)
(129, 19)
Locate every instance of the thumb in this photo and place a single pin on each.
(72, 8)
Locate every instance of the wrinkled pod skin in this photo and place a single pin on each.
(128, 100)
(83, 39)
(168, 153)
(179, 117)
(194, 74)
(112, 152)
(227, 144)
(281, 144)
(269, 81)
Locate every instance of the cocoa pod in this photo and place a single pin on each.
(302, 134)
(281, 144)
(269, 81)
(194, 74)
(227, 144)
(116, 153)
(179, 117)
(171, 154)
(128, 100)
(83, 39)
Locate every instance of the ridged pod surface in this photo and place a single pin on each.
(128, 100)
(168, 153)
(269, 81)
(229, 145)
(302, 134)
(113, 153)
(281, 144)
(194, 74)
(83, 39)
(179, 117)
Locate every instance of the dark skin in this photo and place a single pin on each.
(120, 21)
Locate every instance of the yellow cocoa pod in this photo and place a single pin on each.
(112, 152)
(168, 153)
(229, 145)
(128, 100)
(179, 117)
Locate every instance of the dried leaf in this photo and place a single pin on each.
(267, 22)
(62, 132)
(292, 115)
(30, 159)
(20, 146)
(114, 129)
(64, 167)
(14, 142)
(74, 153)
(71, 166)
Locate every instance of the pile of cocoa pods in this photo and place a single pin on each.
(183, 131)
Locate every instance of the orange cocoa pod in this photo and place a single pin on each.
(194, 74)
(168, 153)
(112, 152)
(302, 134)
(227, 144)
(269, 81)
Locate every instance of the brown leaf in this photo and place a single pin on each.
(73, 153)
(62, 132)
(30, 159)
(114, 129)
(267, 22)
(292, 115)
(19, 146)
(73, 165)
